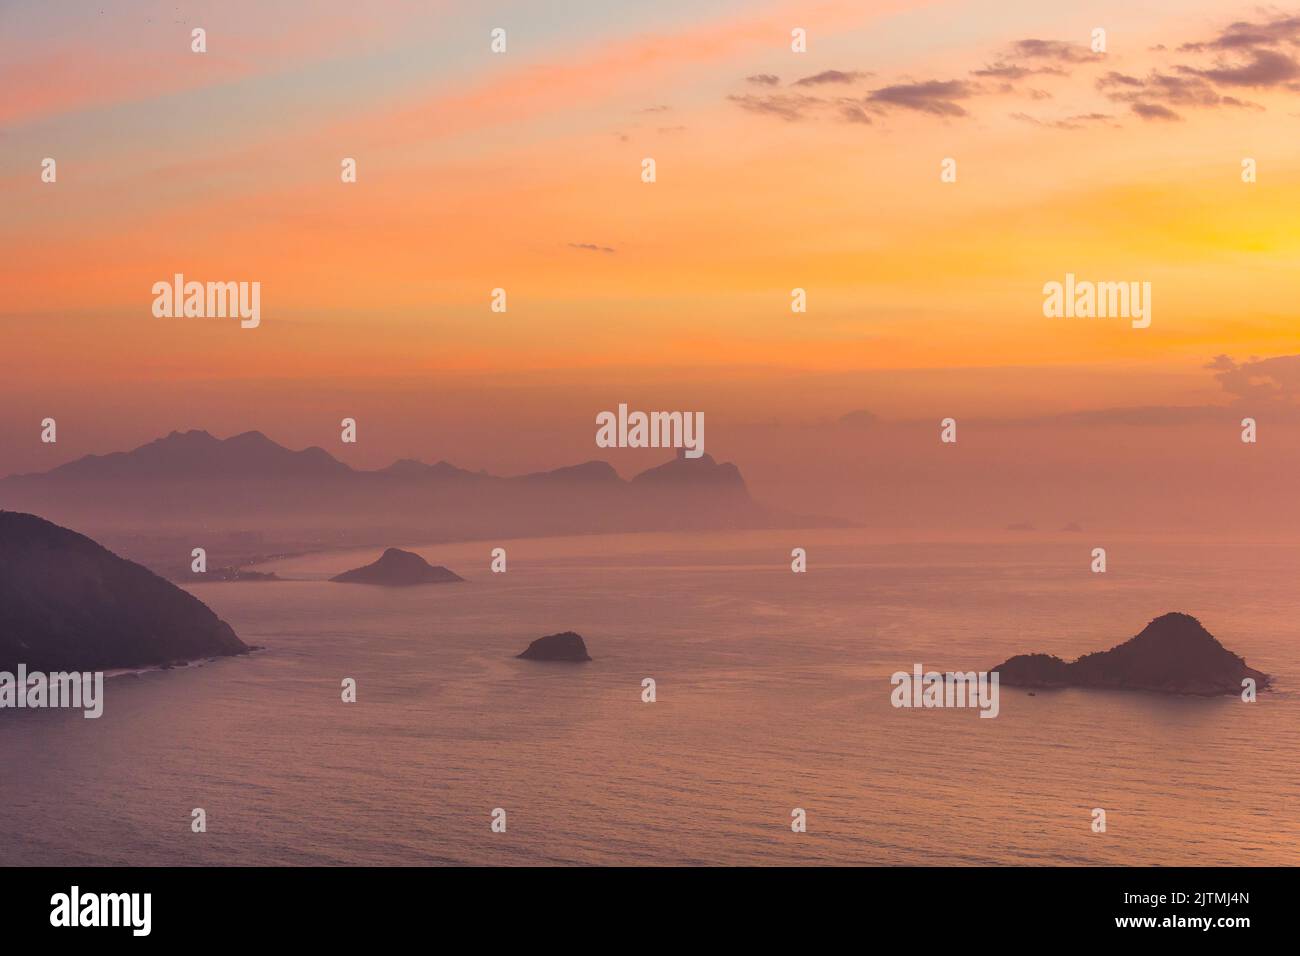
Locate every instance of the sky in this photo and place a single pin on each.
(522, 170)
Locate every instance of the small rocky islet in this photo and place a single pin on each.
(1174, 654)
(566, 646)
(398, 568)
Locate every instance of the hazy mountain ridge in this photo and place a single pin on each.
(192, 488)
(252, 455)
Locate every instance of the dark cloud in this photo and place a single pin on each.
(1246, 35)
(1013, 71)
(1243, 55)
(852, 111)
(1154, 111)
(788, 106)
(936, 97)
(831, 76)
(589, 247)
(1004, 71)
(1265, 68)
(1113, 79)
(654, 109)
(1044, 58)
(1158, 91)
(1056, 50)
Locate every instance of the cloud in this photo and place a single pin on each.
(1078, 121)
(936, 97)
(1012, 71)
(852, 111)
(1270, 381)
(788, 106)
(1152, 96)
(590, 247)
(654, 109)
(831, 76)
(1154, 111)
(1243, 54)
(1004, 71)
(1058, 51)
(1244, 35)
(1265, 68)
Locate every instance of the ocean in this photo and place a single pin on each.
(772, 693)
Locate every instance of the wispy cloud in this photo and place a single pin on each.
(1269, 381)
(1154, 111)
(1056, 51)
(1264, 68)
(936, 97)
(787, 106)
(1078, 121)
(1244, 34)
(832, 76)
(1153, 96)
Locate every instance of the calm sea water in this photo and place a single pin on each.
(773, 693)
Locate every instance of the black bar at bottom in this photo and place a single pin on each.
(373, 905)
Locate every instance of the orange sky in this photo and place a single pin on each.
(479, 170)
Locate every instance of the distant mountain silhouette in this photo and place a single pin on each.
(397, 568)
(588, 471)
(66, 603)
(1173, 654)
(192, 488)
(693, 472)
(567, 646)
(196, 454)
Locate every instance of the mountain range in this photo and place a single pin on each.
(248, 496)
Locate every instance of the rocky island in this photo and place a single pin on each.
(566, 646)
(398, 568)
(1174, 654)
(69, 604)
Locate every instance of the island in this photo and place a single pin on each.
(1174, 654)
(69, 604)
(566, 646)
(397, 568)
